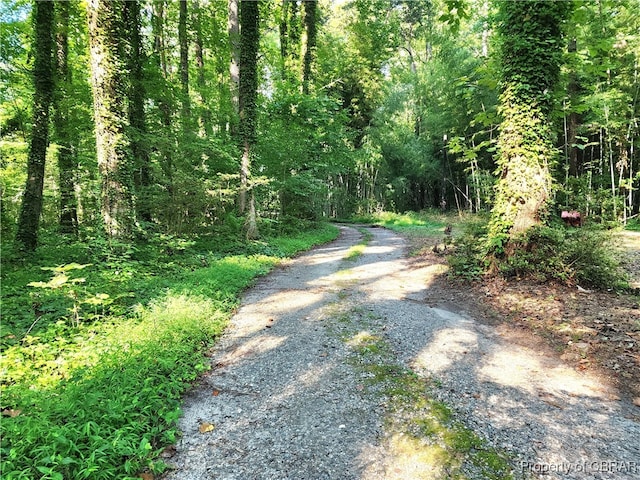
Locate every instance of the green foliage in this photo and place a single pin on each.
(576, 256)
(426, 222)
(582, 256)
(101, 399)
(300, 168)
(468, 258)
(633, 225)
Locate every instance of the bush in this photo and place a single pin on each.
(468, 258)
(581, 256)
(575, 256)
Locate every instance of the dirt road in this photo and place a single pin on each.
(284, 399)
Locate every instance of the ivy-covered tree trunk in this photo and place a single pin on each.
(137, 115)
(531, 49)
(248, 93)
(310, 14)
(233, 29)
(43, 79)
(290, 30)
(283, 30)
(108, 74)
(163, 95)
(67, 160)
(184, 65)
(206, 126)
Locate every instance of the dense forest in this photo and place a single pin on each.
(178, 117)
(170, 151)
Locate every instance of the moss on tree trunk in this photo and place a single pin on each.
(531, 48)
(248, 93)
(108, 73)
(43, 78)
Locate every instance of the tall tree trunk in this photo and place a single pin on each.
(43, 79)
(284, 40)
(67, 161)
(108, 71)
(573, 121)
(205, 114)
(163, 95)
(290, 30)
(310, 14)
(531, 34)
(233, 27)
(248, 93)
(184, 65)
(158, 35)
(137, 115)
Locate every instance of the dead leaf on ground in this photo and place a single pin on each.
(146, 476)
(206, 427)
(215, 393)
(168, 452)
(10, 412)
(636, 401)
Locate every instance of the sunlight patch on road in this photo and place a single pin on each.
(380, 249)
(254, 318)
(410, 457)
(516, 369)
(310, 377)
(447, 347)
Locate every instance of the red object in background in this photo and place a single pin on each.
(572, 218)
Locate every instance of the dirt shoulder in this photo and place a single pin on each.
(590, 330)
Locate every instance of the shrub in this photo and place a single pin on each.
(570, 255)
(574, 256)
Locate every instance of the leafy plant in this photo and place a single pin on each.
(101, 399)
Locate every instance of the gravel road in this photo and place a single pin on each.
(282, 401)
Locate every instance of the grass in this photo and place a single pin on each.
(93, 390)
(424, 230)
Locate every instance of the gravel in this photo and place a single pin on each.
(282, 400)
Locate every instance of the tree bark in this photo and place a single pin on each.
(247, 102)
(573, 122)
(162, 94)
(310, 14)
(184, 65)
(108, 70)
(205, 113)
(284, 40)
(67, 161)
(43, 79)
(137, 115)
(233, 27)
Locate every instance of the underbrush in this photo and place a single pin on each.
(633, 225)
(408, 222)
(583, 256)
(93, 389)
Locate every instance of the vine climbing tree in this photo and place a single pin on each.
(248, 93)
(43, 79)
(108, 70)
(531, 36)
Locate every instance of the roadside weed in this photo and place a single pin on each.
(99, 397)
